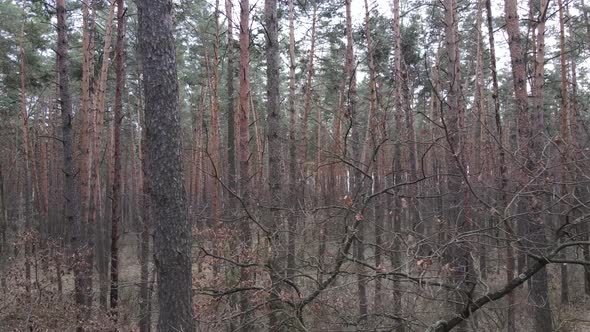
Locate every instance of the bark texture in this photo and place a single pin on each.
(172, 232)
(72, 212)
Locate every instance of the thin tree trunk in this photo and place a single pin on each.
(259, 173)
(372, 142)
(4, 254)
(102, 248)
(565, 140)
(231, 133)
(27, 161)
(244, 150)
(118, 117)
(395, 202)
(231, 142)
(86, 112)
(355, 178)
(294, 182)
(536, 240)
(215, 146)
(145, 318)
(94, 164)
(457, 256)
(511, 327)
(479, 132)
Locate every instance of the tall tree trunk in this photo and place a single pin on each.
(294, 182)
(303, 148)
(145, 314)
(511, 327)
(103, 237)
(372, 142)
(480, 122)
(99, 103)
(71, 198)
(231, 133)
(579, 139)
(539, 296)
(244, 149)
(457, 256)
(565, 140)
(215, 146)
(531, 146)
(172, 232)
(355, 178)
(27, 161)
(277, 319)
(586, 22)
(84, 162)
(86, 112)
(395, 202)
(3, 227)
(231, 140)
(118, 117)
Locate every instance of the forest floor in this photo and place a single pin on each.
(48, 311)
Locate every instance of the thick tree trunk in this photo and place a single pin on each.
(278, 320)
(231, 143)
(579, 139)
(84, 162)
(71, 198)
(172, 231)
(532, 147)
(303, 148)
(86, 113)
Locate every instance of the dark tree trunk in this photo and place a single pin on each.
(172, 231)
(71, 198)
(277, 318)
